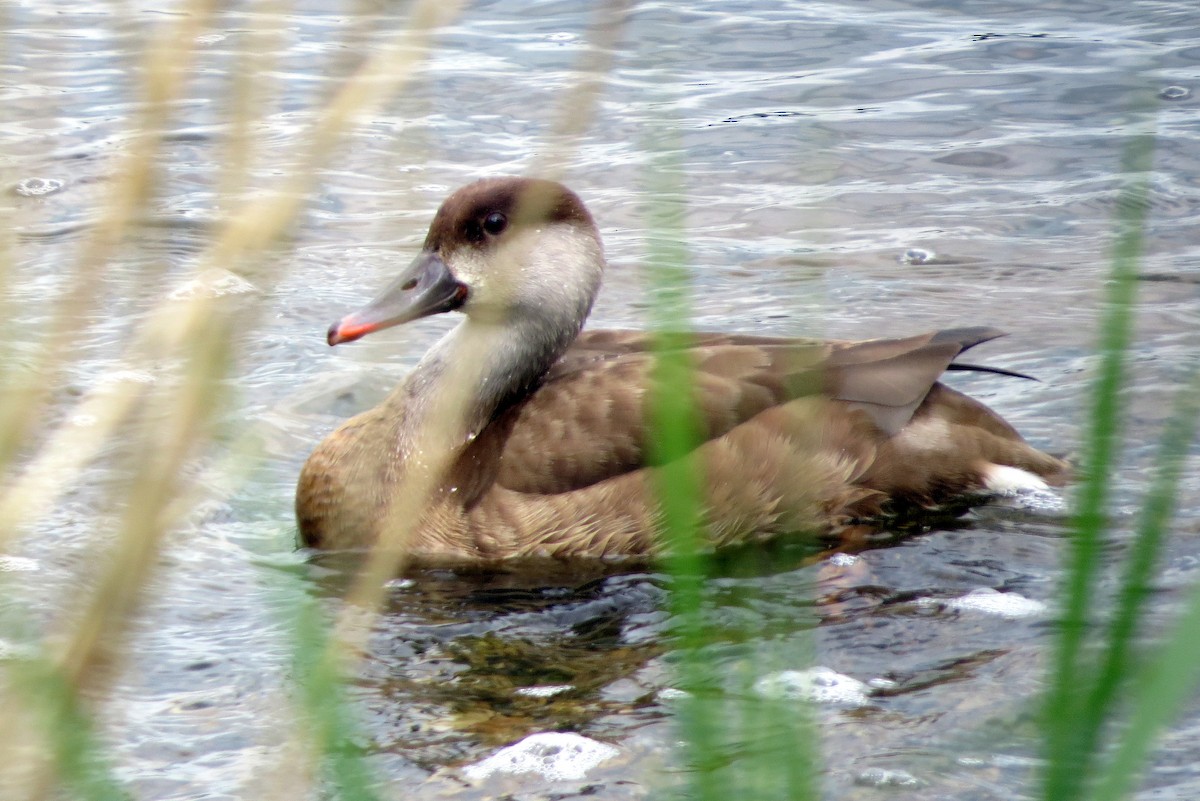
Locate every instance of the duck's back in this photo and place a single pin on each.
(793, 435)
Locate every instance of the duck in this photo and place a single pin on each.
(546, 451)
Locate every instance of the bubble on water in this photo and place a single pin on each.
(882, 777)
(211, 38)
(1001, 604)
(544, 690)
(843, 560)
(213, 283)
(819, 685)
(400, 584)
(669, 694)
(36, 187)
(917, 256)
(555, 756)
(1174, 93)
(1045, 501)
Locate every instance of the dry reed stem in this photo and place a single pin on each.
(261, 223)
(68, 449)
(71, 446)
(442, 436)
(185, 332)
(247, 95)
(249, 231)
(578, 107)
(192, 332)
(175, 330)
(164, 65)
(164, 69)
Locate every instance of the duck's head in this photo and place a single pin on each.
(500, 250)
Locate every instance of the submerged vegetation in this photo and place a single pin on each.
(158, 423)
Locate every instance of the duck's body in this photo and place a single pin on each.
(548, 455)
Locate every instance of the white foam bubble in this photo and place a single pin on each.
(1045, 501)
(36, 187)
(555, 756)
(213, 283)
(883, 777)
(544, 690)
(843, 560)
(1000, 604)
(400, 584)
(818, 684)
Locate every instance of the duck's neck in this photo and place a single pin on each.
(536, 295)
(474, 373)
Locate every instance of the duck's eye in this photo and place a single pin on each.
(494, 223)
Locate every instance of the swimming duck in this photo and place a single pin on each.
(549, 457)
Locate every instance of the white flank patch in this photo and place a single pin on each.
(552, 755)
(1005, 480)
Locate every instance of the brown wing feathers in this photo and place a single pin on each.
(888, 379)
(587, 422)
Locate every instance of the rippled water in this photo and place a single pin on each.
(850, 169)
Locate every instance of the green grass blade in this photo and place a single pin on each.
(737, 744)
(1068, 754)
(1164, 687)
(678, 488)
(1155, 516)
(78, 759)
(328, 716)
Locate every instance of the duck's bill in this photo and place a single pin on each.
(426, 287)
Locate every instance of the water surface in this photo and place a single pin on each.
(844, 169)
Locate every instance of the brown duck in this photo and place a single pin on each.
(549, 458)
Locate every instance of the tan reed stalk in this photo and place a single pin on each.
(26, 390)
(164, 66)
(191, 335)
(441, 436)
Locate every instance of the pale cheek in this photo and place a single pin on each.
(470, 270)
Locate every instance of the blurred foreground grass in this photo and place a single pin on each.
(158, 426)
(1105, 705)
